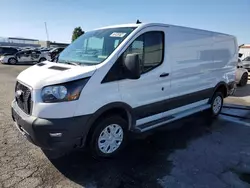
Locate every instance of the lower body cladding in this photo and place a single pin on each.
(51, 134)
(3, 61)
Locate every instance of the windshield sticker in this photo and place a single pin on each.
(116, 34)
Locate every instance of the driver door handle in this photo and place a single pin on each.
(164, 74)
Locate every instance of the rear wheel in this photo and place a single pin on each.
(216, 104)
(12, 61)
(109, 136)
(244, 79)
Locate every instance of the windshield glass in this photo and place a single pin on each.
(94, 47)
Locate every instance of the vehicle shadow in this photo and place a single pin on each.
(242, 91)
(19, 64)
(141, 163)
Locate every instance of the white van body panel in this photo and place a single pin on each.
(37, 77)
(193, 64)
(189, 73)
(96, 95)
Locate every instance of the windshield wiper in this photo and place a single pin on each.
(69, 62)
(72, 63)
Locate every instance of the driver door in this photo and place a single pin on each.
(147, 94)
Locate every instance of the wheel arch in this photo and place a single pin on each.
(12, 58)
(245, 73)
(222, 87)
(121, 108)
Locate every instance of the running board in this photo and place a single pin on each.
(157, 123)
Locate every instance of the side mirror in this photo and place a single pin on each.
(132, 66)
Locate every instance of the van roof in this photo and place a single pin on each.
(121, 25)
(158, 24)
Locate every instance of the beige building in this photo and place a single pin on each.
(25, 42)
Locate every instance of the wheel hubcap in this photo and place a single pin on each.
(110, 138)
(12, 61)
(217, 104)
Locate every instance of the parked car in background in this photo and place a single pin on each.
(7, 50)
(24, 56)
(246, 63)
(44, 50)
(241, 74)
(54, 52)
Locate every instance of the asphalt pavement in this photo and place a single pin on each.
(199, 152)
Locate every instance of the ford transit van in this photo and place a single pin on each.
(120, 79)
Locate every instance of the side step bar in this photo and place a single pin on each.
(160, 122)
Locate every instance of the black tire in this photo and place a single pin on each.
(215, 111)
(100, 126)
(42, 59)
(244, 79)
(12, 61)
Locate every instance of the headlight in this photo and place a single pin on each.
(63, 92)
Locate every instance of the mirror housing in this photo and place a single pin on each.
(132, 66)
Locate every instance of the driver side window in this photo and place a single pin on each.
(20, 54)
(149, 47)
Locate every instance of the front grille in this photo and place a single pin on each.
(23, 98)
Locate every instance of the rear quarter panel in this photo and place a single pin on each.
(225, 58)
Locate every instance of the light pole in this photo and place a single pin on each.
(46, 31)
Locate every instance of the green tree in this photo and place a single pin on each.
(77, 33)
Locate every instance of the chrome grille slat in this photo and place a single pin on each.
(24, 102)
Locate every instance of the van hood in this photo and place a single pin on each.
(49, 73)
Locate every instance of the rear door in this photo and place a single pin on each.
(147, 94)
(24, 56)
(35, 55)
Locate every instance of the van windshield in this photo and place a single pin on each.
(94, 47)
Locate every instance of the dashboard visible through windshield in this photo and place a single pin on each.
(95, 46)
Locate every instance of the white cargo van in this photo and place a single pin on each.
(121, 79)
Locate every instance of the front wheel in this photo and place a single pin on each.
(109, 137)
(216, 104)
(12, 61)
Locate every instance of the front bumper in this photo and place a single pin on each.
(3, 61)
(42, 132)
